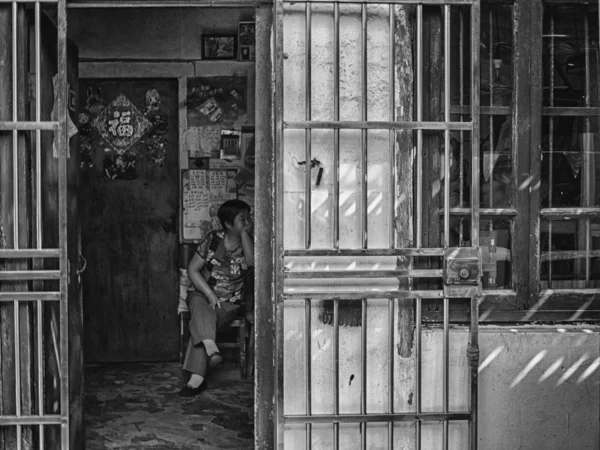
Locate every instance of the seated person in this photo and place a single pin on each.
(218, 271)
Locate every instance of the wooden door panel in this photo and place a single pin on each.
(128, 210)
(50, 234)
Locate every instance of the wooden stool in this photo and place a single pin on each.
(240, 324)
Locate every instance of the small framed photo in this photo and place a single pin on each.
(222, 46)
(246, 39)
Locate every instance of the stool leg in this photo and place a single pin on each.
(242, 343)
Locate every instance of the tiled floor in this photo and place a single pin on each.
(136, 406)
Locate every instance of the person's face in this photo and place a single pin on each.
(241, 221)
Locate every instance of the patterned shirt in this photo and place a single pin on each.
(225, 271)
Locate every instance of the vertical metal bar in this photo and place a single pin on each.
(419, 199)
(392, 117)
(475, 150)
(364, 156)
(15, 160)
(19, 438)
(17, 369)
(474, 340)
(461, 75)
(336, 132)
(551, 148)
(391, 315)
(308, 149)
(491, 116)
(42, 443)
(586, 150)
(336, 372)
(363, 373)
(308, 369)
(446, 132)
(446, 362)
(40, 363)
(62, 217)
(418, 349)
(38, 134)
(279, 219)
(17, 327)
(475, 132)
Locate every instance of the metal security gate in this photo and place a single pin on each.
(34, 359)
(352, 188)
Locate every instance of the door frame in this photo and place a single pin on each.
(264, 329)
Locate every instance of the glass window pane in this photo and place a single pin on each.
(570, 162)
(496, 162)
(570, 55)
(570, 254)
(570, 138)
(496, 53)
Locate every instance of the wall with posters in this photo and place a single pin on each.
(219, 146)
(214, 95)
(211, 97)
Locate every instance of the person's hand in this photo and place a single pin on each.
(214, 301)
(473, 355)
(249, 228)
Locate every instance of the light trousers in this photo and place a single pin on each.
(204, 323)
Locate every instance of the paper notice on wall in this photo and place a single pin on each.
(203, 142)
(218, 181)
(204, 191)
(196, 203)
(221, 190)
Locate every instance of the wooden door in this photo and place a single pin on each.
(128, 208)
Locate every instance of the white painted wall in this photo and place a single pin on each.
(538, 389)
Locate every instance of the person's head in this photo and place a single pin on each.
(229, 210)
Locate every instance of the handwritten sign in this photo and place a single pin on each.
(204, 191)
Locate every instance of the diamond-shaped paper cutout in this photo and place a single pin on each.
(121, 124)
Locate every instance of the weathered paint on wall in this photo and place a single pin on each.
(538, 389)
(322, 108)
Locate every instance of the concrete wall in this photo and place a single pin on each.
(538, 387)
(149, 33)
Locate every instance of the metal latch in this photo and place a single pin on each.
(462, 272)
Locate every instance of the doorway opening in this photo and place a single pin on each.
(155, 98)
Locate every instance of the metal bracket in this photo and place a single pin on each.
(462, 272)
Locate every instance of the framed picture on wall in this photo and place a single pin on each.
(222, 46)
(246, 39)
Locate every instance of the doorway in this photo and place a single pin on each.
(125, 61)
